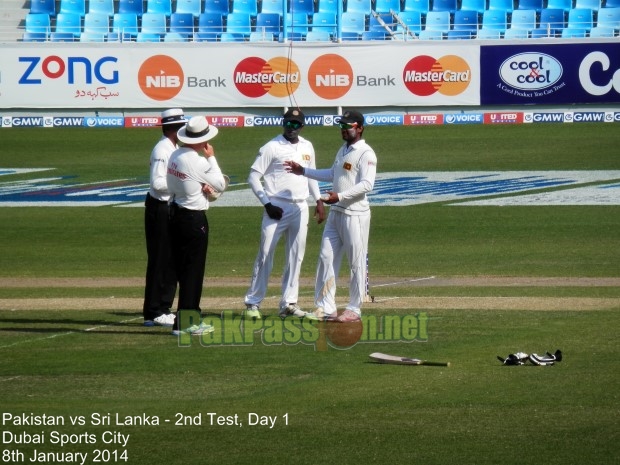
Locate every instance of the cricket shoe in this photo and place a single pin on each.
(291, 310)
(166, 319)
(518, 358)
(252, 312)
(320, 315)
(195, 330)
(348, 316)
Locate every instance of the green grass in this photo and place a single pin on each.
(341, 408)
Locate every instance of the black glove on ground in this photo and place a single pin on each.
(275, 213)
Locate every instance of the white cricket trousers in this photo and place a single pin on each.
(294, 227)
(343, 234)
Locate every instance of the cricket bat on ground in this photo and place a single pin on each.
(396, 360)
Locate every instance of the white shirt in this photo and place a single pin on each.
(352, 175)
(187, 173)
(277, 182)
(158, 185)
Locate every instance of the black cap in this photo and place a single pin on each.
(352, 116)
(294, 114)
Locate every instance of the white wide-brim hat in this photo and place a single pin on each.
(197, 131)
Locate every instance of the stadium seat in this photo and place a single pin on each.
(92, 37)
(249, 7)
(438, 21)
(444, 5)
(325, 22)
(259, 36)
(76, 7)
(177, 36)
(522, 20)
(512, 33)
(291, 36)
(210, 26)
(412, 21)
(376, 23)
(474, 5)
(34, 36)
(349, 36)
(182, 23)
(47, 7)
(374, 35)
(193, 7)
(543, 33)
(385, 6)
(38, 22)
(154, 23)
(302, 6)
(239, 23)
(423, 6)
(63, 36)
(552, 19)
(431, 34)
(571, 32)
(465, 20)
(580, 18)
(612, 3)
(105, 7)
(590, 4)
(296, 23)
(353, 21)
(126, 25)
(602, 31)
(268, 24)
(148, 36)
(505, 5)
(327, 6)
(486, 33)
(232, 37)
(318, 36)
(130, 6)
(496, 20)
(159, 6)
(565, 5)
(272, 6)
(460, 35)
(216, 6)
(530, 5)
(359, 6)
(69, 23)
(609, 17)
(96, 23)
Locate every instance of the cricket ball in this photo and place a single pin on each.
(345, 334)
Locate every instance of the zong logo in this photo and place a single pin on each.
(530, 71)
(74, 69)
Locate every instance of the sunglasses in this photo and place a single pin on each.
(347, 126)
(293, 124)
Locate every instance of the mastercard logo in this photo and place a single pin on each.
(449, 75)
(160, 77)
(255, 77)
(330, 76)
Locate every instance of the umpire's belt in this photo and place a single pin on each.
(150, 198)
(282, 199)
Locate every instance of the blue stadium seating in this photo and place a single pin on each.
(488, 33)
(69, 23)
(239, 23)
(565, 5)
(325, 22)
(474, 5)
(431, 34)
(353, 21)
(552, 19)
(296, 23)
(460, 35)
(249, 7)
(159, 6)
(232, 37)
(374, 35)
(359, 6)
(438, 21)
(130, 6)
(176, 36)
(154, 23)
(182, 23)
(543, 33)
(385, 6)
(92, 37)
(580, 18)
(612, 3)
(465, 20)
(318, 36)
(43, 6)
(268, 24)
(63, 36)
(505, 5)
(272, 6)
(38, 22)
(411, 19)
(193, 7)
(444, 5)
(210, 26)
(375, 22)
(609, 17)
(302, 6)
(217, 6)
(34, 37)
(524, 20)
(125, 24)
(530, 5)
(259, 36)
(77, 7)
(148, 36)
(602, 31)
(96, 23)
(573, 32)
(496, 20)
(423, 6)
(105, 7)
(512, 33)
(328, 6)
(591, 4)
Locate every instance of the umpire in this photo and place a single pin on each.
(161, 280)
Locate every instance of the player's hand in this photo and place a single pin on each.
(319, 212)
(293, 167)
(274, 212)
(208, 150)
(330, 197)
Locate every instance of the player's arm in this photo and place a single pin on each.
(211, 173)
(367, 175)
(159, 170)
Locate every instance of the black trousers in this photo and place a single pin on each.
(161, 281)
(190, 240)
